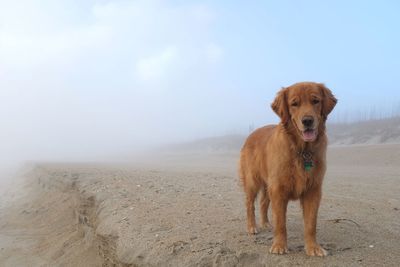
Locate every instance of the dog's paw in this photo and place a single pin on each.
(316, 250)
(278, 248)
(266, 225)
(252, 230)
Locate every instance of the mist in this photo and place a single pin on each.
(97, 80)
(99, 86)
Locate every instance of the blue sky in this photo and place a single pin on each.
(100, 75)
(352, 46)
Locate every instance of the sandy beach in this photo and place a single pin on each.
(186, 209)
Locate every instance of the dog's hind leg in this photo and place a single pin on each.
(251, 194)
(264, 204)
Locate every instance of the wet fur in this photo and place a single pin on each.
(270, 164)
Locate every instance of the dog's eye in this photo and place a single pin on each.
(294, 104)
(315, 101)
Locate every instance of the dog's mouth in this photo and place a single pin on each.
(309, 135)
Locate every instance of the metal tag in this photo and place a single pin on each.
(307, 159)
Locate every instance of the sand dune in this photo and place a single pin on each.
(382, 131)
(187, 210)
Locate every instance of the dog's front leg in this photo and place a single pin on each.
(310, 203)
(279, 203)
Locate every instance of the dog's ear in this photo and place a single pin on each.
(328, 101)
(280, 106)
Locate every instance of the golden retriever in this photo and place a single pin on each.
(288, 162)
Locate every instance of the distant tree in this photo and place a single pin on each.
(365, 114)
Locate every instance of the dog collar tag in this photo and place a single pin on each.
(308, 162)
(308, 166)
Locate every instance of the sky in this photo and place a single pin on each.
(86, 78)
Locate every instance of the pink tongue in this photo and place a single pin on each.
(309, 135)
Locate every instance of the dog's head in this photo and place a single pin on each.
(305, 106)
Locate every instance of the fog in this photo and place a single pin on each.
(100, 79)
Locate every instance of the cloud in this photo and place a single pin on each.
(156, 67)
(149, 37)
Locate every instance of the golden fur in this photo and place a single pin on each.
(271, 163)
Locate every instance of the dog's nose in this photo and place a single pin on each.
(307, 121)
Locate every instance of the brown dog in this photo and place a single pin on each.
(288, 161)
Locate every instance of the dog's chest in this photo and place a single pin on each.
(304, 174)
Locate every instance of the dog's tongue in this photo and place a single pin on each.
(309, 135)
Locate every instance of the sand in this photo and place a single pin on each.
(187, 209)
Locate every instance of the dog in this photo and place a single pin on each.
(288, 162)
